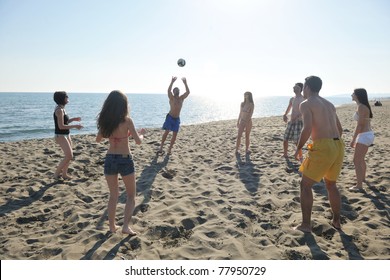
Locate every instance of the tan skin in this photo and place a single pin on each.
(244, 123)
(175, 103)
(119, 144)
(65, 142)
(363, 125)
(319, 121)
(298, 97)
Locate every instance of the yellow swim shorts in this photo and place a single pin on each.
(324, 159)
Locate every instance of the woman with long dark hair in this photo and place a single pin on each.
(363, 136)
(244, 122)
(114, 123)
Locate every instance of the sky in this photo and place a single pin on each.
(262, 46)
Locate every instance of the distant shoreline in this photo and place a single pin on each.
(385, 102)
(374, 95)
(197, 110)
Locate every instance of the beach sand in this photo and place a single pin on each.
(199, 203)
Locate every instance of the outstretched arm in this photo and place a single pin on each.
(185, 95)
(60, 121)
(170, 94)
(78, 119)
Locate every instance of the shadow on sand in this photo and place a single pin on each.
(248, 173)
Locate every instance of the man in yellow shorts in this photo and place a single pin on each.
(325, 156)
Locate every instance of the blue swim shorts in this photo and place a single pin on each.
(122, 164)
(171, 123)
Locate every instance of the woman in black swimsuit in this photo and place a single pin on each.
(62, 130)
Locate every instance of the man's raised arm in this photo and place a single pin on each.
(185, 95)
(170, 94)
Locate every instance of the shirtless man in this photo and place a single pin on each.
(325, 156)
(294, 126)
(172, 120)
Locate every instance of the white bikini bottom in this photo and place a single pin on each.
(365, 138)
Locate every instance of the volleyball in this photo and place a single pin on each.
(181, 62)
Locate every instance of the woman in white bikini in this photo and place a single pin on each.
(363, 136)
(114, 123)
(244, 122)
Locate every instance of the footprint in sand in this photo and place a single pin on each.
(168, 174)
(32, 219)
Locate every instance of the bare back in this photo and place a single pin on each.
(119, 140)
(322, 116)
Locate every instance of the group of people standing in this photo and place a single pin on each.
(114, 123)
(312, 116)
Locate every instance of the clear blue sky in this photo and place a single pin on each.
(263, 46)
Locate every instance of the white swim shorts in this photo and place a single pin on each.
(365, 138)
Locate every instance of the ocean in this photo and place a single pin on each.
(30, 115)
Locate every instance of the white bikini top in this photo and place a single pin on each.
(356, 116)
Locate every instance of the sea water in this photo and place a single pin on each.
(30, 115)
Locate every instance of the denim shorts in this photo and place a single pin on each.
(122, 164)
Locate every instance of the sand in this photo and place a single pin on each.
(199, 203)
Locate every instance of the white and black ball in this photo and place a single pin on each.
(181, 62)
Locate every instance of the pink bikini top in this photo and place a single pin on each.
(118, 139)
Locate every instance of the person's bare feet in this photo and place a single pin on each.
(336, 225)
(303, 228)
(356, 189)
(67, 177)
(129, 231)
(114, 229)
